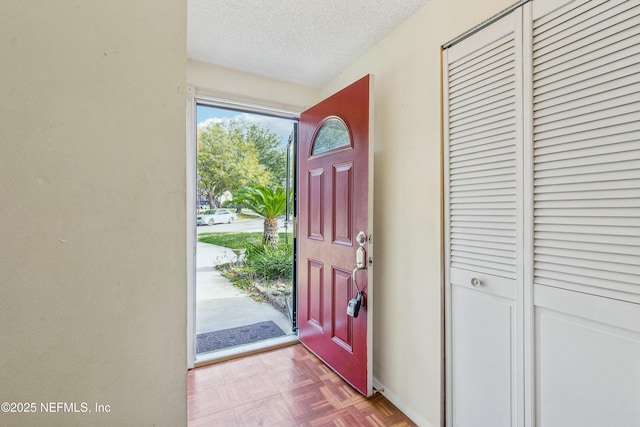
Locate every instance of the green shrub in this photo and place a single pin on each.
(270, 264)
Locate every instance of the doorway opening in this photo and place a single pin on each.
(245, 290)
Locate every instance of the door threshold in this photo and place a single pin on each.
(212, 357)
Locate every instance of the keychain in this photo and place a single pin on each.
(354, 305)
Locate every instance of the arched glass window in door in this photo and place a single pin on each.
(333, 134)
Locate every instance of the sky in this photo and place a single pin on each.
(281, 127)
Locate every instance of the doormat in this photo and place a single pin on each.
(217, 340)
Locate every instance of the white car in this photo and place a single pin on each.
(216, 216)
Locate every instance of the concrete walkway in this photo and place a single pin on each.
(219, 304)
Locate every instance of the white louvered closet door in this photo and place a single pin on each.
(482, 97)
(586, 212)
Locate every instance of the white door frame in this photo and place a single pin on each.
(195, 97)
(192, 172)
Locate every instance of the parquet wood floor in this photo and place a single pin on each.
(282, 388)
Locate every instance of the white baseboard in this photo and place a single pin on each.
(400, 404)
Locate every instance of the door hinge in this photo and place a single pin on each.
(295, 227)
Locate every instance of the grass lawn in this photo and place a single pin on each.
(238, 240)
(245, 215)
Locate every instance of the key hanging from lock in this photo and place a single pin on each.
(353, 307)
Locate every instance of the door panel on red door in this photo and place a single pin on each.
(315, 292)
(342, 199)
(342, 291)
(316, 205)
(334, 205)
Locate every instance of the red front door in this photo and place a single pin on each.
(335, 206)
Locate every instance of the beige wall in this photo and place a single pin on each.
(92, 210)
(407, 224)
(224, 84)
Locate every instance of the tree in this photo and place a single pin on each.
(227, 161)
(271, 152)
(267, 202)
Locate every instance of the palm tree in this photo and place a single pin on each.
(267, 202)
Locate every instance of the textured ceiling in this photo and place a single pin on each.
(302, 41)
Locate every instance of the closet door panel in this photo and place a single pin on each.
(586, 212)
(483, 325)
(587, 356)
(483, 97)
